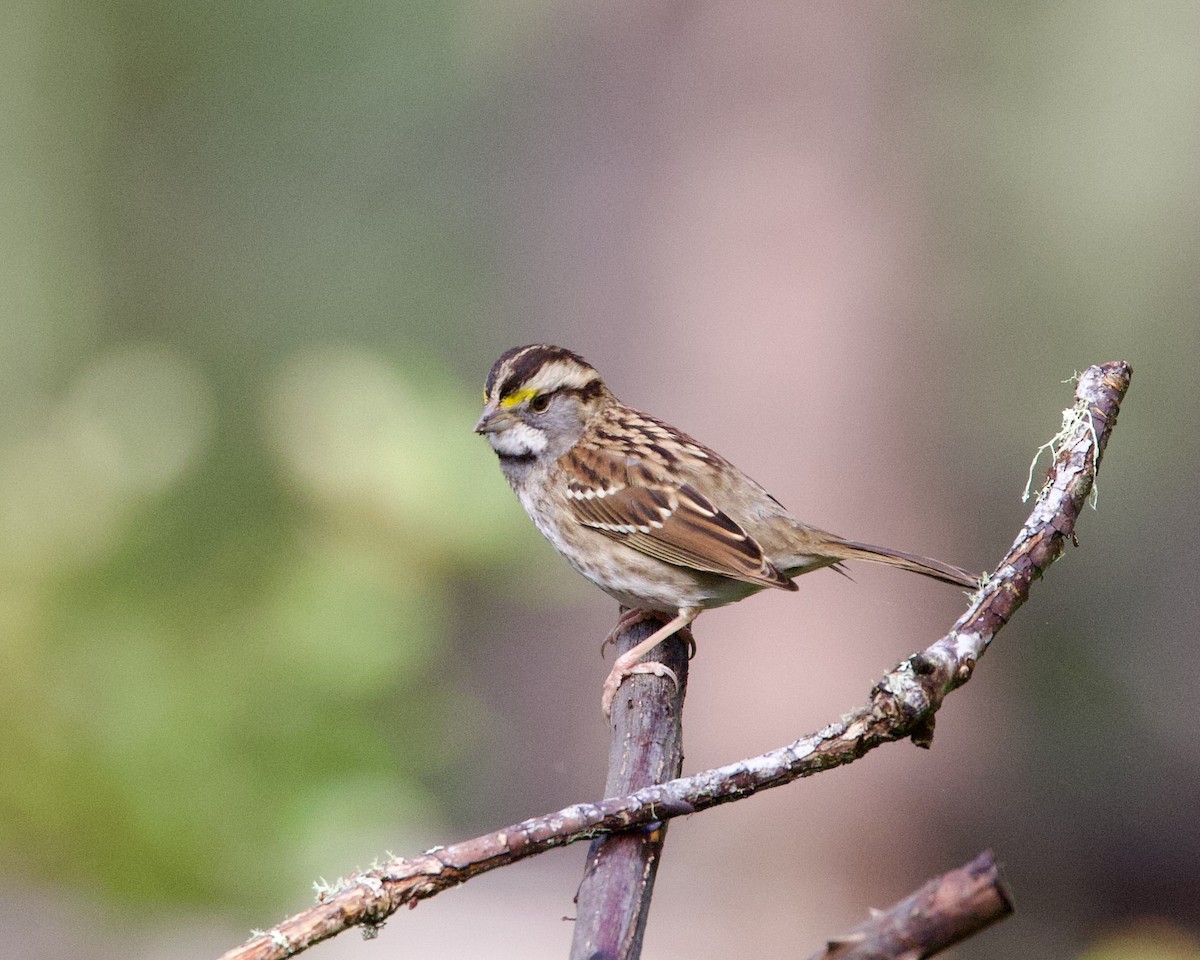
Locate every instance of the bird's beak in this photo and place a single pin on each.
(493, 419)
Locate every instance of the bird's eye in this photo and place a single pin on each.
(539, 403)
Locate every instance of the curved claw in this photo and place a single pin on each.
(620, 673)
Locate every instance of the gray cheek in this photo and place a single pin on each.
(563, 424)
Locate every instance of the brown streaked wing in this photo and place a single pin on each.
(642, 509)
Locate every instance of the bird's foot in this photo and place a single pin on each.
(627, 663)
(624, 668)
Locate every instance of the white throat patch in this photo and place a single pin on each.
(518, 440)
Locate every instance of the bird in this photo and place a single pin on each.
(655, 519)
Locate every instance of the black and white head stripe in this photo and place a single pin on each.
(539, 368)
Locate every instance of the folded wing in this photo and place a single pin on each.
(636, 504)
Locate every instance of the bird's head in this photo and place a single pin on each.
(537, 402)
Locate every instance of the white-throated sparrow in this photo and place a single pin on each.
(653, 518)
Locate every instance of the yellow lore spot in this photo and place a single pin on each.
(517, 397)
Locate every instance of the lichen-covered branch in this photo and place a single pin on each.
(946, 910)
(902, 705)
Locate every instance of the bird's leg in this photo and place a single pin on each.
(626, 664)
(628, 618)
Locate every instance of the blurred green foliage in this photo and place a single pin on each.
(227, 557)
(236, 636)
(1147, 940)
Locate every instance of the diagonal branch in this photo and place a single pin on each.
(946, 910)
(902, 705)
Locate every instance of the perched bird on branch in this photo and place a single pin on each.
(652, 517)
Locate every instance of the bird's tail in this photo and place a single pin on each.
(906, 561)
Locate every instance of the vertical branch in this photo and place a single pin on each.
(647, 748)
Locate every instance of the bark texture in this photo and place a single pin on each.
(647, 748)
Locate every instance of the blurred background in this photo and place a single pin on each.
(268, 609)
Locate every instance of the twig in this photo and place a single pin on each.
(947, 909)
(647, 748)
(902, 705)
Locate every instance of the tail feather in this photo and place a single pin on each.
(925, 566)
